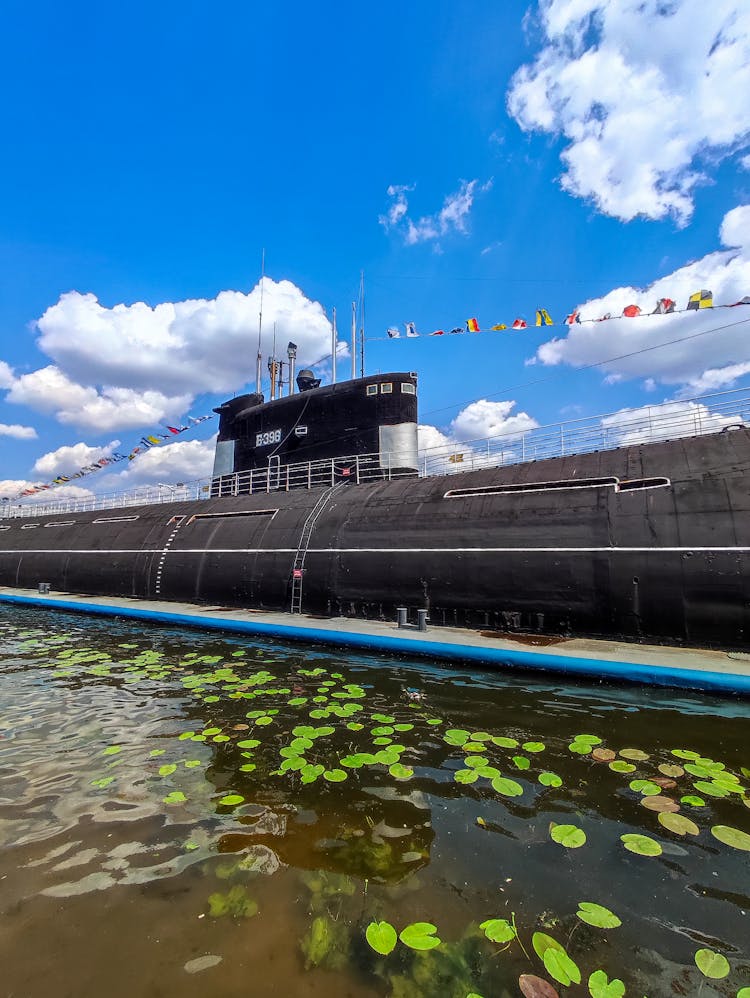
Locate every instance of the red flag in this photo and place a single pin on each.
(519, 324)
(630, 311)
(575, 316)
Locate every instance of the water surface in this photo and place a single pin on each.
(182, 814)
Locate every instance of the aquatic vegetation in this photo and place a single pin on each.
(325, 944)
(236, 903)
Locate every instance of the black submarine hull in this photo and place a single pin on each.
(645, 542)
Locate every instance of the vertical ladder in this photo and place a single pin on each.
(298, 568)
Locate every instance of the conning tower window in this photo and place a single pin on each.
(372, 389)
(386, 388)
(407, 388)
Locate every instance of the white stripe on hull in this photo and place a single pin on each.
(488, 550)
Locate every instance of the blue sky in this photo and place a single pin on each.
(153, 151)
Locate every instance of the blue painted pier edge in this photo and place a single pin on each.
(592, 668)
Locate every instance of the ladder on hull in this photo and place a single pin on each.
(298, 568)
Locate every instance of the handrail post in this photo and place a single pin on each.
(357, 465)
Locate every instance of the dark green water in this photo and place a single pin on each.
(167, 796)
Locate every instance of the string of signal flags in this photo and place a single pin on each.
(664, 306)
(144, 444)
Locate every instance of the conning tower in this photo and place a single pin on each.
(373, 419)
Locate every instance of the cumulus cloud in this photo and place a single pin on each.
(702, 363)
(644, 92)
(19, 432)
(10, 489)
(452, 217)
(69, 459)
(49, 390)
(135, 365)
(465, 433)
(666, 421)
(182, 461)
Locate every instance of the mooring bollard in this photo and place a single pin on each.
(401, 615)
(421, 620)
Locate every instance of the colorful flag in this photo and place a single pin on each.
(411, 329)
(630, 311)
(472, 326)
(456, 330)
(172, 429)
(499, 326)
(742, 301)
(603, 318)
(664, 306)
(456, 458)
(575, 316)
(153, 440)
(519, 324)
(701, 299)
(543, 318)
(438, 332)
(393, 334)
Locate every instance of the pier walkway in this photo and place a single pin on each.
(618, 661)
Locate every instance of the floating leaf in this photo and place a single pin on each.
(685, 754)
(502, 742)
(507, 787)
(569, 836)
(400, 772)
(659, 803)
(191, 763)
(535, 987)
(381, 936)
(498, 930)
(355, 726)
(167, 769)
(521, 762)
(334, 775)
(618, 766)
(420, 936)
(601, 987)
(533, 746)
(589, 739)
(641, 845)
(711, 964)
(475, 761)
(579, 748)
(473, 747)
(670, 770)
(156, 752)
(645, 787)
(678, 823)
(634, 753)
(603, 754)
(112, 750)
(732, 837)
(230, 800)
(176, 797)
(712, 788)
(383, 730)
(549, 780)
(556, 960)
(597, 915)
(465, 776)
(403, 727)
(692, 800)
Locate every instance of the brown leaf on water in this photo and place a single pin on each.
(240, 727)
(664, 782)
(603, 755)
(535, 987)
(659, 803)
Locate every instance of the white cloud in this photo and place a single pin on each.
(10, 489)
(490, 419)
(182, 461)
(466, 432)
(664, 422)
(68, 459)
(644, 92)
(136, 365)
(19, 432)
(452, 217)
(49, 390)
(703, 363)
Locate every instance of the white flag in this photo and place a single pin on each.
(393, 333)
(411, 329)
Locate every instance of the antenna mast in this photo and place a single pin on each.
(362, 324)
(354, 340)
(333, 348)
(259, 359)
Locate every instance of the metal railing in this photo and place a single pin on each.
(647, 424)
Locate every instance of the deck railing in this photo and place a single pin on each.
(647, 424)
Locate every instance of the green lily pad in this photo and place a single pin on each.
(420, 936)
(678, 823)
(231, 800)
(645, 787)
(507, 787)
(600, 986)
(167, 769)
(400, 772)
(498, 930)
(521, 762)
(549, 779)
(334, 775)
(556, 960)
(381, 936)
(355, 726)
(634, 754)
(569, 836)
(533, 746)
(641, 845)
(597, 915)
(465, 776)
(175, 797)
(502, 742)
(112, 750)
(711, 964)
(579, 748)
(618, 766)
(685, 754)
(693, 800)
(589, 739)
(732, 837)
(475, 761)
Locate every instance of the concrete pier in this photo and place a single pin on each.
(719, 671)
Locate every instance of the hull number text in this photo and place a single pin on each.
(269, 437)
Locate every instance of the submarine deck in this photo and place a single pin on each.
(618, 661)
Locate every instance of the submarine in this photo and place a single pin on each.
(318, 505)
